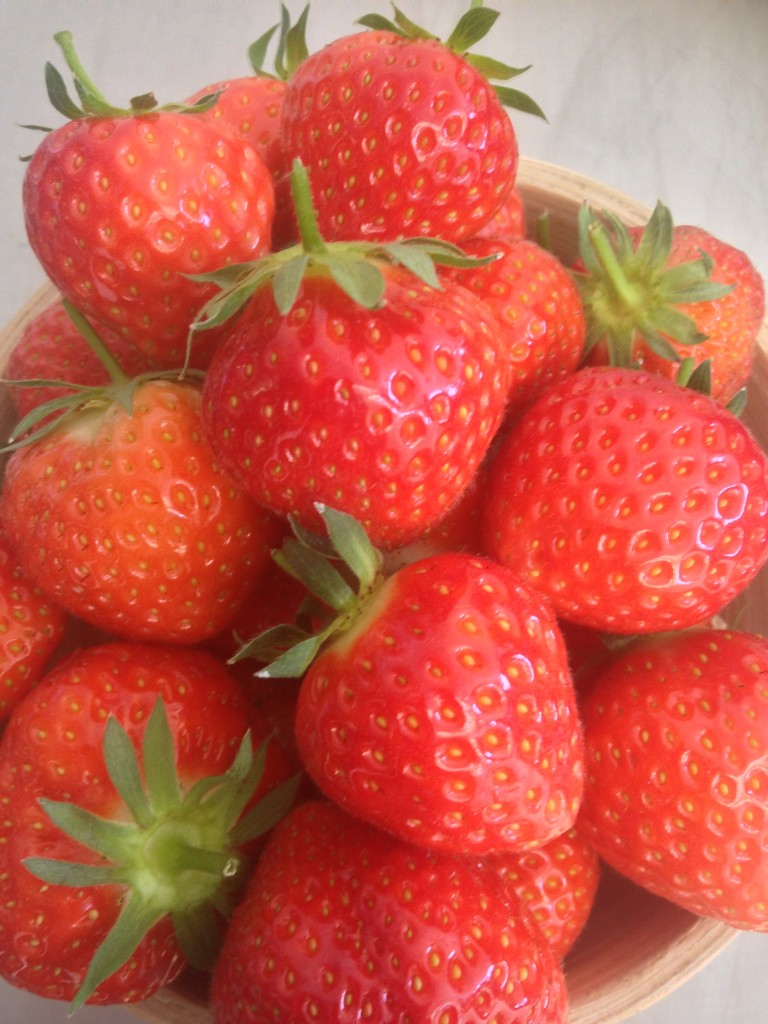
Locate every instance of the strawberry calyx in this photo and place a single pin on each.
(630, 292)
(92, 102)
(83, 398)
(355, 266)
(473, 26)
(341, 572)
(291, 51)
(179, 855)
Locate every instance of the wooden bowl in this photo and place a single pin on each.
(636, 948)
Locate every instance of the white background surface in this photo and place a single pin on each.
(659, 98)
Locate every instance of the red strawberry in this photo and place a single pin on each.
(352, 379)
(633, 504)
(659, 295)
(341, 922)
(538, 306)
(31, 629)
(403, 135)
(438, 705)
(252, 107)
(121, 207)
(677, 783)
(98, 852)
(125, 518)
(557, 882)
(52, 347)
(509, 220)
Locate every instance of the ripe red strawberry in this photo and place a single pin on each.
(558, 884)
(677, 782)
(252, 107)
(125, 518)
(633, 504)
(31, 629)
(658, 295)
(121, 207)
(52, 347)
(342, 922)
(438, 705)
(509, 220)
(403, 134)
(352, 379)
(539, 308)
(117, 816)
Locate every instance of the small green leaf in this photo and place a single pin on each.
(58, 94)
(267, 812)
(473, 26)
(287, 282)
(516, 100)
(135, 920)
(295, 48)
(257, 51)
(361, 280)
(495, 70)
(378, 23)
(738, 403)
(656, 240)
(159, 758)
(270, 644)
(353, 545)
(123, 769)
(199, 932)
(294, 662)
(316, 573)
(418, 261)
(672, 323)
(101, 835)
(73, 873)
(410, 28)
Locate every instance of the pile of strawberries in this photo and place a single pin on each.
(361, 562)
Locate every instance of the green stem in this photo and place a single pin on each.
(95, 343)
(309, 232)
(629, 296)
(173, 855)
(64, 39)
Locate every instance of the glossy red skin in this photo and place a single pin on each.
(729, 324)
(342, 922)
(633, 504)
(31, 629)
(401, 137)
(446, 715)
(509, 220)
(120, 210)
(52, 748)
(538, 306)
(52, 348)
(130, 523)
(677, 771)
(384, 414)
(252, 106)
(558, 883)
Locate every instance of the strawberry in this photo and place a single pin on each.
(252, 107)
(52, 347)
(123, 206)
(31, 629)
(634, 504)
(403, 134)
(557, 882)
(352, 378)
(437, 704)
(341, 922)
(676, 731)
(123, 516)
(509, 220)
(667, 293)
(538, 306)
(127, 777)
